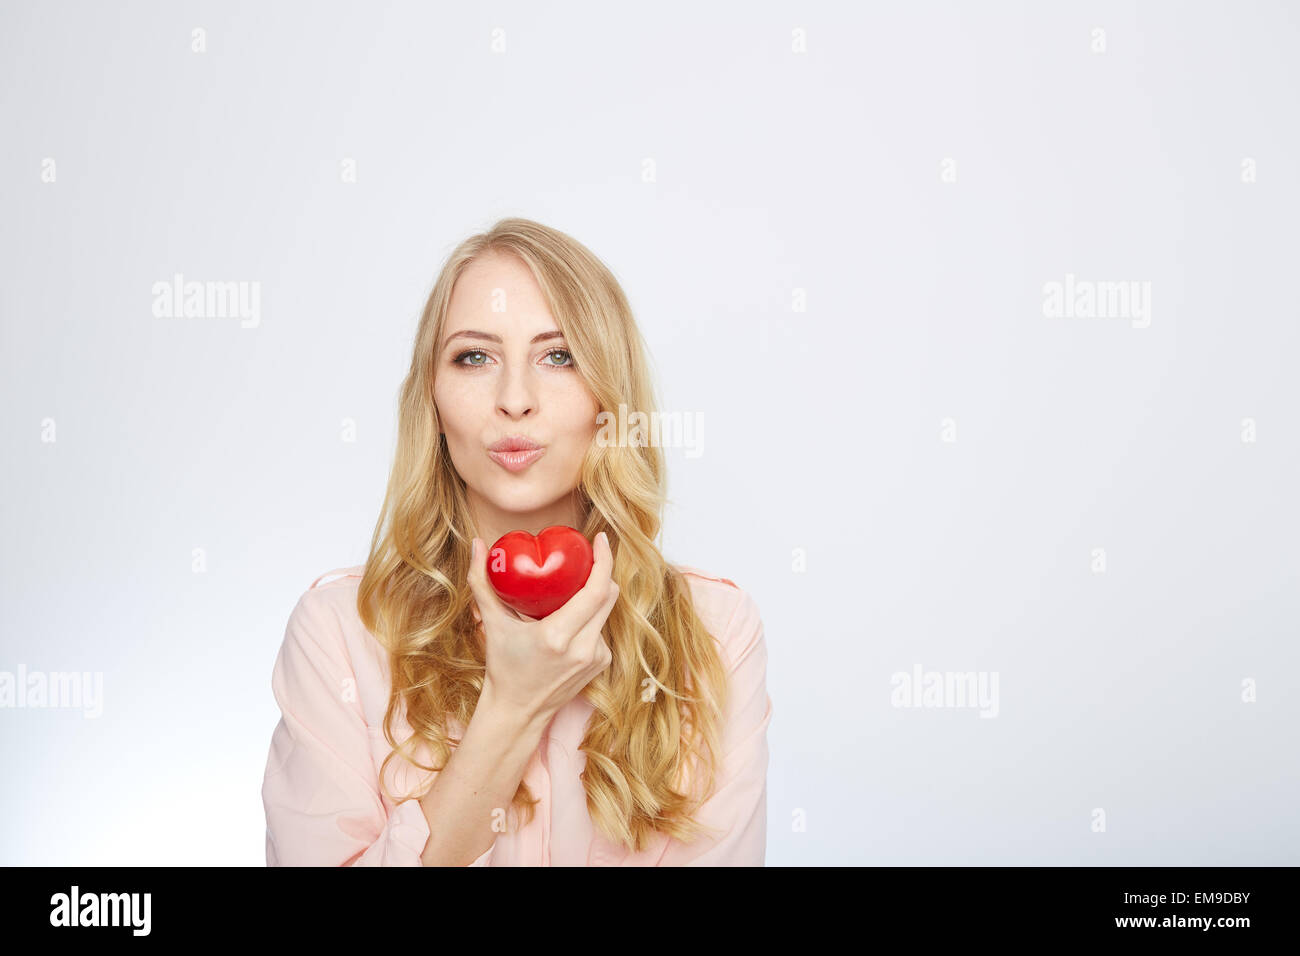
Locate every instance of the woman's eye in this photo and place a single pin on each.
(563, 352)
(460, 359)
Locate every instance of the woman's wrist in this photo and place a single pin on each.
(522, 720)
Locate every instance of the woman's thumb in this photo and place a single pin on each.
(484, 594)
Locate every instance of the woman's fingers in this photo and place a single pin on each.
(485, 597)
(592, 635)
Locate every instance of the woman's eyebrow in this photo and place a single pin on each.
(472, 334)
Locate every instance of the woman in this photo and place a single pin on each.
(426, 723)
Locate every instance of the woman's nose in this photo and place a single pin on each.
(516, 397)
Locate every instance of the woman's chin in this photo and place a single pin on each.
(523, 498)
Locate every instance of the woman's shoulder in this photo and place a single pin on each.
(728, 609)
(335, 590)
(338, 577)
(326, 610)
(702, 575)
(325, 626)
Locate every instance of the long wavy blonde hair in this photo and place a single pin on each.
(641, 745)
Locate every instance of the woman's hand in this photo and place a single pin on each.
(535, 667)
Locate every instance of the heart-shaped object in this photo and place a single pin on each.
(537, 575)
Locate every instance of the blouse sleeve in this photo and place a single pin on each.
(321, 789)
(737, 807)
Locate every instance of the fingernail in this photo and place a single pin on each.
(604, 537)
(473, 549)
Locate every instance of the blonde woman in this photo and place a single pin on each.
(424, 723)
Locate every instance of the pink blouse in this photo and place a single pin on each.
(321, 791)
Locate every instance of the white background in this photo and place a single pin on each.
(774, 171)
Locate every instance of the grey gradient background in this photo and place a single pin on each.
(775, 171)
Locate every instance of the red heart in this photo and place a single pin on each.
(537, 575)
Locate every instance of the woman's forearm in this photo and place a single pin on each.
(479, 778)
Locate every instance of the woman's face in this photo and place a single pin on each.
(502, 372)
